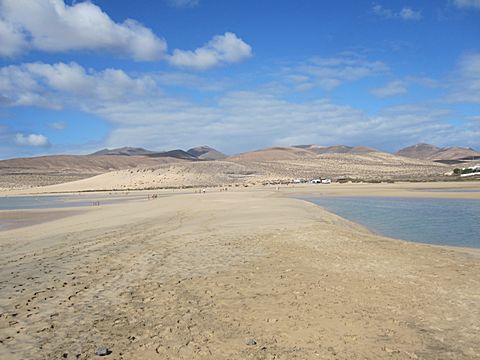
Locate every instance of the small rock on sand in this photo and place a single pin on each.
(251, 342)
(102, 351)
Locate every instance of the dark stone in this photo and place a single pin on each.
(102, 351)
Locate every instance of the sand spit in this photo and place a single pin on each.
(231, 275)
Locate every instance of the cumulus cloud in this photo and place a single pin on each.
(53, 26)
(465, 4)
(12, 39)
(36, 140)
(393, 88)
(222, 49)
(406, 13)
(53, 85)
(183, 3)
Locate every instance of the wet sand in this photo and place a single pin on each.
(232, 275)
(21, 218)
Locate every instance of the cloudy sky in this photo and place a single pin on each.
(77, 76)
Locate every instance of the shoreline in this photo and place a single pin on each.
(375, 233)
(198, 276)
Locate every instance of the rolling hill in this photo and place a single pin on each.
(337, 149)
(433, 153)
(206, 153)
(274, 153)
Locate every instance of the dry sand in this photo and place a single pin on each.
(194, 276)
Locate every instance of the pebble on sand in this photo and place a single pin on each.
(102, 351)
(251, 342)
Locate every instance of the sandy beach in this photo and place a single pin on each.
(242, 274)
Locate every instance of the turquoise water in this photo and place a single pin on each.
(454, 222)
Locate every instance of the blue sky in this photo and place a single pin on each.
(237, 75)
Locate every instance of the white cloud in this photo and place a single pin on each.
(381, 11)
(190, 81)
(252, 119)
(53, 26)
(393, 88)
(12, 40)
(329, 73)
(140, 114)
(464, 4)
(409, 14)
(52, 86)
(57, 125)
(222, 49)
(466, 83)
(183, 3)
(36, 140)
(406, 13)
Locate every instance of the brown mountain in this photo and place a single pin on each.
(419, 151)
(197, 153)
(70, 164)
(433, 153)
(126, 151)
(176, 154)
(206, 153)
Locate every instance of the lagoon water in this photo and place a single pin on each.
(454, 222)
(40, 202)
(60, 201)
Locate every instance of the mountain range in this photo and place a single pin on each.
(204, 165)
(196, 153)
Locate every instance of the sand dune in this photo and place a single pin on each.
(47, 170)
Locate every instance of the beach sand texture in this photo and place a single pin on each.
(231, 275)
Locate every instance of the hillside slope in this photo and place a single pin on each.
(433, 153)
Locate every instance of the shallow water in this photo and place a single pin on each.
(454, 222)
(41, 202)
(63, 201)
